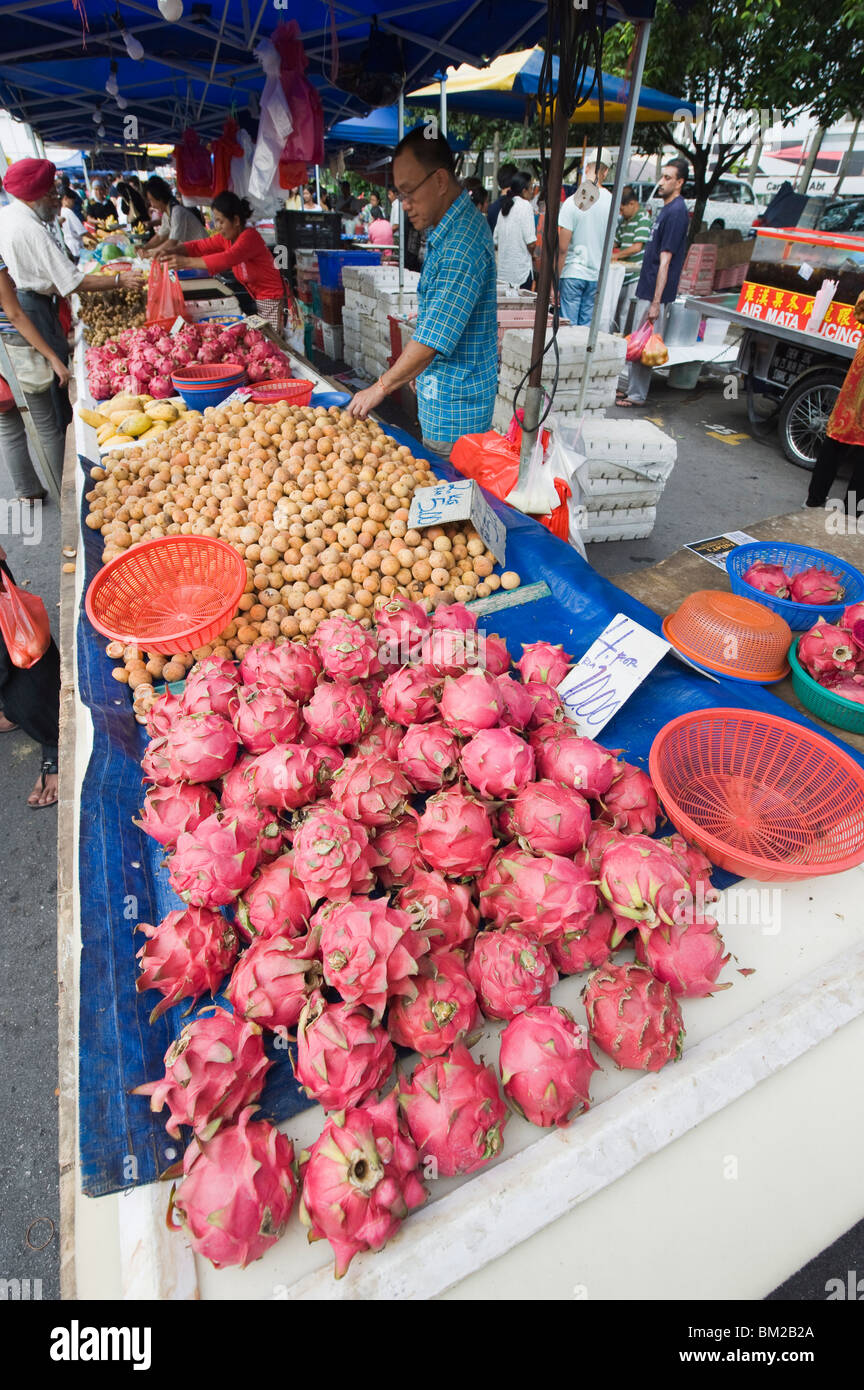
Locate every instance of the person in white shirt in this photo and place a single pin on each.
(73, 227)
(394, 208)
(580, 247)
(515, 235)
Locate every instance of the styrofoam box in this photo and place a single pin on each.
(618, 526)
(350, 317)
(503, 411)
(362, 304)
(623, 441)
(614, 496)
(609, 350)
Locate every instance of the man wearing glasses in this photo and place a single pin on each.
(454, 352)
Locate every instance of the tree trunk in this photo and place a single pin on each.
(816, 146)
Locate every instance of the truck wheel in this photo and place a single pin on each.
(804, 415)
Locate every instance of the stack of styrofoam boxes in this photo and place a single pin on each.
(627, 465)
(372, 294)
(607, 361)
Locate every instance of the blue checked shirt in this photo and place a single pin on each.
(458, 317)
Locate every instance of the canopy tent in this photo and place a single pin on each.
(381, 127)
(507, 89)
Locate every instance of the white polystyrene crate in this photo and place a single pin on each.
(604, 494)
(625, 441)
(350, 317)
(363, 304)
(608, 355)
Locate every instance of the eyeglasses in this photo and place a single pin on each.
(407, 195)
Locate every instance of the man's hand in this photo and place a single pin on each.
(132, 279)
(61, 371)
(653, 312)
(367, 400)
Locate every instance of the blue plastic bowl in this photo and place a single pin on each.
(214, 395)
(328, 398)
(794, 559)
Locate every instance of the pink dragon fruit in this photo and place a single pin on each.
(583, 950)
(237, 785)
(599, 839)
(327, 758)
(397, 849)
(342, 1057)
(291, 666)
(371, 790)
(273, 979)
(549, 819)
(212, 688)
(238, 1191)
(768, 579)
(545, 895)
(162, 713)
(332, 855)
(212, 864)
(687, 958)
(359, 1181)
(400, 625)
(370, 951)
(407, 696)
(546, 1065)
(454, 834)
(694, 865)
(541, 661)
(381, 738)
(454, 617)
(168, 811)
(851, 688)
(264, 716)
(511, 971)
(517, 703)
(573, 761)
(156, 764)
(201, 747)
(440, 1010)
(494, 656)
(547, 703)
(631, 802)
(827, 650)
(633, 1016)
(640, 879)
(213, 1071)
(373, 686)
(338, 711)
(269, 832)
(852, 614)
(285, 778)
(454, 1112)
(428, 755)
(161, 388)
(444, 910)
(497, 762)
(275, 903)
(816, 585)
(449, 651)
(470, 703)
(188, 954)
(346, 649)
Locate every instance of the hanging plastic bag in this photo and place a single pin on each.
(194, 167)
(305, 143)
(536, 495)
(274, 127)
(224, 151)
(655, 352)
(23, 623)
(637, 342)
(164, 295)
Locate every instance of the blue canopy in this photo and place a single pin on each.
(380, 127)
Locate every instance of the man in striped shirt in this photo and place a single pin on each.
(454, 352)
(634, 229)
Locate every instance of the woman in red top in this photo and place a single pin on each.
(240, 249)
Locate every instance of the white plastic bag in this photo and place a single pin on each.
(538, 496)
(274, 127)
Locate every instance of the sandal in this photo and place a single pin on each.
(627, 404)
(5, 726)
(48, 769)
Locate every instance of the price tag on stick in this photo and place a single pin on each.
(460, 500)
(606, 676)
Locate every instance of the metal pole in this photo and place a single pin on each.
(621, 169)
(400, 130)
(496, 158)
(317, 184)
(443, 120)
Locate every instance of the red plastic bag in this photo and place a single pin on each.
(164, 294)
(637, 341)
(23, 623)
(305, 144)
(558, 522)
(194, 167)
(490, 459)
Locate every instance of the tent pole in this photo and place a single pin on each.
(496, 158)
(400, 130)
(443, 119)
(621, 172)
(317, 184)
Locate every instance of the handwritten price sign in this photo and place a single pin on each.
(460, 500)
(613, 667)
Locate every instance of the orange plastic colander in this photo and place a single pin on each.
(733, 636)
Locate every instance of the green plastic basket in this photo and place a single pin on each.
(834, 709)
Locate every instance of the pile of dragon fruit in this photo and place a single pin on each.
(833, 653)
(381, 839)
(141, 360)
(813, 585)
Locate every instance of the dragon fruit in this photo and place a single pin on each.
(273, 979)
(768, 579)
(428, 755)
(212, 687)
(631, 803)
(213, 1071)
(444, 910)
(546, 895)
(370, 951)
(270, 834)
(633, 1016)
(332, 856)
(285, 778)
(264, 716)
(291, 666)
(162, 713)
(342, 1057)
(440, 1010)
(346, 649)
(327, 758)
(453, 617)
(511, 971)
(382, 738)
(586, 949)
(238, 1191)
(338, 711)
(517, 703)
(373, 686)
(454, 1112)
(573, 761)
(454, 834)
(688, 958)
(371, 790)
(156, 763)
(236, 787)
(497, 762)
(546, 1065)
(470, 703)
(449, 652)
(212, 864)
(694, 865)
(359, 1181)
(201, 747)
(852, 614)
(168, 811)
(547, 703)
(398, 852)
(549, 819)
(494, 655)
(851, 688)
(827, 650)
(188, 954)
(541, 661)
(816, 585)
(161, 388)
(640, 879)
(275, 903)
(407, 696)
(400, 625)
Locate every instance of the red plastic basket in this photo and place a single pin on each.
(172, 594)
(763, 797)
(287, 389)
